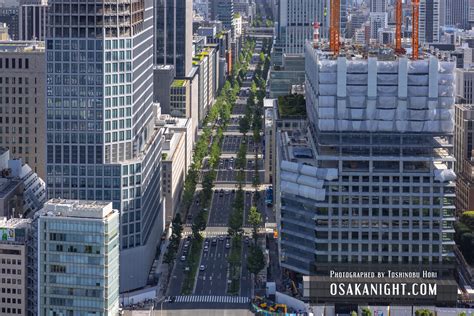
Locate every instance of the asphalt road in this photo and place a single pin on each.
(178, 273)
(213, 280)
(221, 208)
(194, 209)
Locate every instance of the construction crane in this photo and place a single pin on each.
(334, 28)
(398, 28)
(414, 38)
(316, 26)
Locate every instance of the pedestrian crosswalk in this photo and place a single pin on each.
(208, 299)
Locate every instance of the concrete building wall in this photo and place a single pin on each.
(174, 173)
(163, 76)
(463, 147)
(23, 105)
(13, 278)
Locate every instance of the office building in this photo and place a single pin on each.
(4, 36)
(173, 171)
(291, 72)
(370, 182)
(223, 10)
(9, 16)
(78, 246)
(355, 21)
(295, 24)
(202, 8)
(102, 142)
(464, 92)
(247, 8)
(463, 152)
(22, 102)
(207, 66)
(429, 21)
(456, 13)
(238, 25)
(163, 76)
(344, 13)
(22, 192)
(180, 101)
(14, 235)
(32, 18)
(378, 20)
(378, 5)
(174, 33)
(173, 125)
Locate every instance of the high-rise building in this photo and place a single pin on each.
(22, 102)
(32, 18)
(370, 182)
(378, 5)
(78, 268)
(344, 17)
(174, 34)
(463, 152)
(22, 192)
(9, 16)
(295, 24)
(429, 21)
(163, 76)
(464, 86)
(378, 20)
(454, 13)
(223, 10)
(102, 141)
(14, 236)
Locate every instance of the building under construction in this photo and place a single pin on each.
(369, 185)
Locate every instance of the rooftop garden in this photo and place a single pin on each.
(178, 83)
(292, 105)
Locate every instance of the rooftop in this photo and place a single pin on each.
(22, 46)
(297, 146)
(179, 83)
(172, 122)
(14, 222)
(77, 209)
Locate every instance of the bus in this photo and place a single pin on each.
(269, 196)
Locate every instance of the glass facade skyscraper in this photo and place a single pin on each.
(78, 245)
(102, 142)
(174, 38)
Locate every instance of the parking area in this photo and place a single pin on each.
(239, 106)
(229, 164)
(229, 176)
(231, 144)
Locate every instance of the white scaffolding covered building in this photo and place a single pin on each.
(374, 184)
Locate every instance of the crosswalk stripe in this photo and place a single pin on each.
(208, 299)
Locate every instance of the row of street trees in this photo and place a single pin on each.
(254, 119)
(210, 143)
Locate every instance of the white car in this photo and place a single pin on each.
(183, 258)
